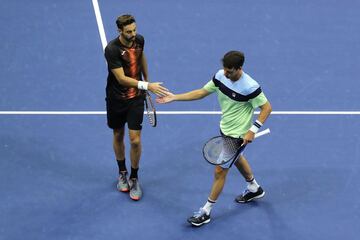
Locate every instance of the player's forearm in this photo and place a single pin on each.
(192, 95)
(127, 81)
(144, 67)
(123, 79)
(265, 111)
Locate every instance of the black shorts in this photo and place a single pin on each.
(129, 111)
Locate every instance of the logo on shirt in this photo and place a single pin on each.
(122, 53)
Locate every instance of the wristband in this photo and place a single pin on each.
(254, 129)
(143, 85)
(256, 126)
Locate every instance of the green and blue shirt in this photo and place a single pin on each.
(238, 100)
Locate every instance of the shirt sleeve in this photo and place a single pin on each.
(258, 101)
(113, 58)
(141, 40)
(210, 86)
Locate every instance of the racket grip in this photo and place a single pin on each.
(261, 133)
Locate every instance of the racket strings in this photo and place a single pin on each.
(230, 146)
(221, 149)
(150, 110)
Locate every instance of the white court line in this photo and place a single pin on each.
(177, 112)
(104, 43)
(99, 23)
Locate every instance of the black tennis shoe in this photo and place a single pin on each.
(248, 196)
(199, 218)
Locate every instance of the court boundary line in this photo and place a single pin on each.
(177, 112)
(104, 43)
(99, 23)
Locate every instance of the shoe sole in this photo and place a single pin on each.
(199, 224)
(123, 190)
(257, 197)
(135, 198)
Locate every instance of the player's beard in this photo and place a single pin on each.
(129, 40)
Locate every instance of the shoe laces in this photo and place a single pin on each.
(123, 177)
(246, 191)
(134, 184)
(199, 213)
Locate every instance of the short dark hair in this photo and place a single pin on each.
(233, 59)
(124, 20)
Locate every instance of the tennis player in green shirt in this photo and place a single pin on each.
(238, 95)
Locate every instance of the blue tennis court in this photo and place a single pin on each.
(58, 172)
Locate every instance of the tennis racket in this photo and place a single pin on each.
(150, 110)
(222, 149)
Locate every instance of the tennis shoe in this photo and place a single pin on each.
(199, 218)
(123, 184)
(248, 196)
(135, 189)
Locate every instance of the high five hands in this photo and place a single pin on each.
(157, 89)
(169, 97)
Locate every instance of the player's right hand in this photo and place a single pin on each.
(166, 99)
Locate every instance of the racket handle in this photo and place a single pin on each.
(261, 133)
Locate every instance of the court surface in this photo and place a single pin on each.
(58, 173)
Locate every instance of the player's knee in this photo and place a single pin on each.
(220, 172)
(118, 141)
(119, 136)
(135, 141)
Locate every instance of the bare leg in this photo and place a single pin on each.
(135, 151)
(219, 181)
(244, 168)
(118, 143)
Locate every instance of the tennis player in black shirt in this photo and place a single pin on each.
(126, 82)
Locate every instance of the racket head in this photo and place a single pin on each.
(222, 149)
(150, 110)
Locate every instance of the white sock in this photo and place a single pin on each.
(208, 205)
(253, 186)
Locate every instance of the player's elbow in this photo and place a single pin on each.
(119, 75)
(269, 108)
(266, 108)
